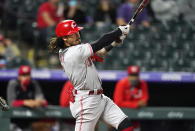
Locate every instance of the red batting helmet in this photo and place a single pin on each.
(133, 70)
(67, 27)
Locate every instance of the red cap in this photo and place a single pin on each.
(25, 69)
(67, 27)
(133, 70)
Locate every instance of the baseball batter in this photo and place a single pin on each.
(90, 104)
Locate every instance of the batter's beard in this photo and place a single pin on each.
(76, 43)
(79, 42)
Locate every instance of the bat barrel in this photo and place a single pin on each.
(140, 8)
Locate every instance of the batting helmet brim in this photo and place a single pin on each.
(75, 30)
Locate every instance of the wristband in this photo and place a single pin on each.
(108, 48)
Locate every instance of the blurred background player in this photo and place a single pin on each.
(131, 92)
(25, 92)
(65, 97)
(165, 10)
(8, 51)
(73, 11)
(105, 13)
(49, 14)
(66, 94)
(125, 13)
(188, 9)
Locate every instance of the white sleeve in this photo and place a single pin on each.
(85, 51)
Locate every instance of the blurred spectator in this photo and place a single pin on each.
(74, 12)
(105, 13)
(1, 10)
(25, 92)
(7, 48)
(2, 46)
(131, 92)
(49, 14)
(187, 9)
(66, 94)
(165, 10)
(8, 51)
(53, 61)
(126, 11)
(65, 98)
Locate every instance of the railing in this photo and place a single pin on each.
(148, 113)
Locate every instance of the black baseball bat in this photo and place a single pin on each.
(139, 10)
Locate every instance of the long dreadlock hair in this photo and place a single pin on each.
(56, 43)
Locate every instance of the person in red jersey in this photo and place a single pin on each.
(131, 92)
(25, 92)
(66, 96)
(49, 14)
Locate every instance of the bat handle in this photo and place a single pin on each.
(131, 21)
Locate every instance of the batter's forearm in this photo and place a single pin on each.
(101, 53)
(106, 40)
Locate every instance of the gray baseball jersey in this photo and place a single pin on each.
(79, 67)
(88, 109)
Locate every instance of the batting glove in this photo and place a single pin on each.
(125, 29)
(114, 43)
(122, 37)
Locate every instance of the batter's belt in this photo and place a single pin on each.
(89, 92)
